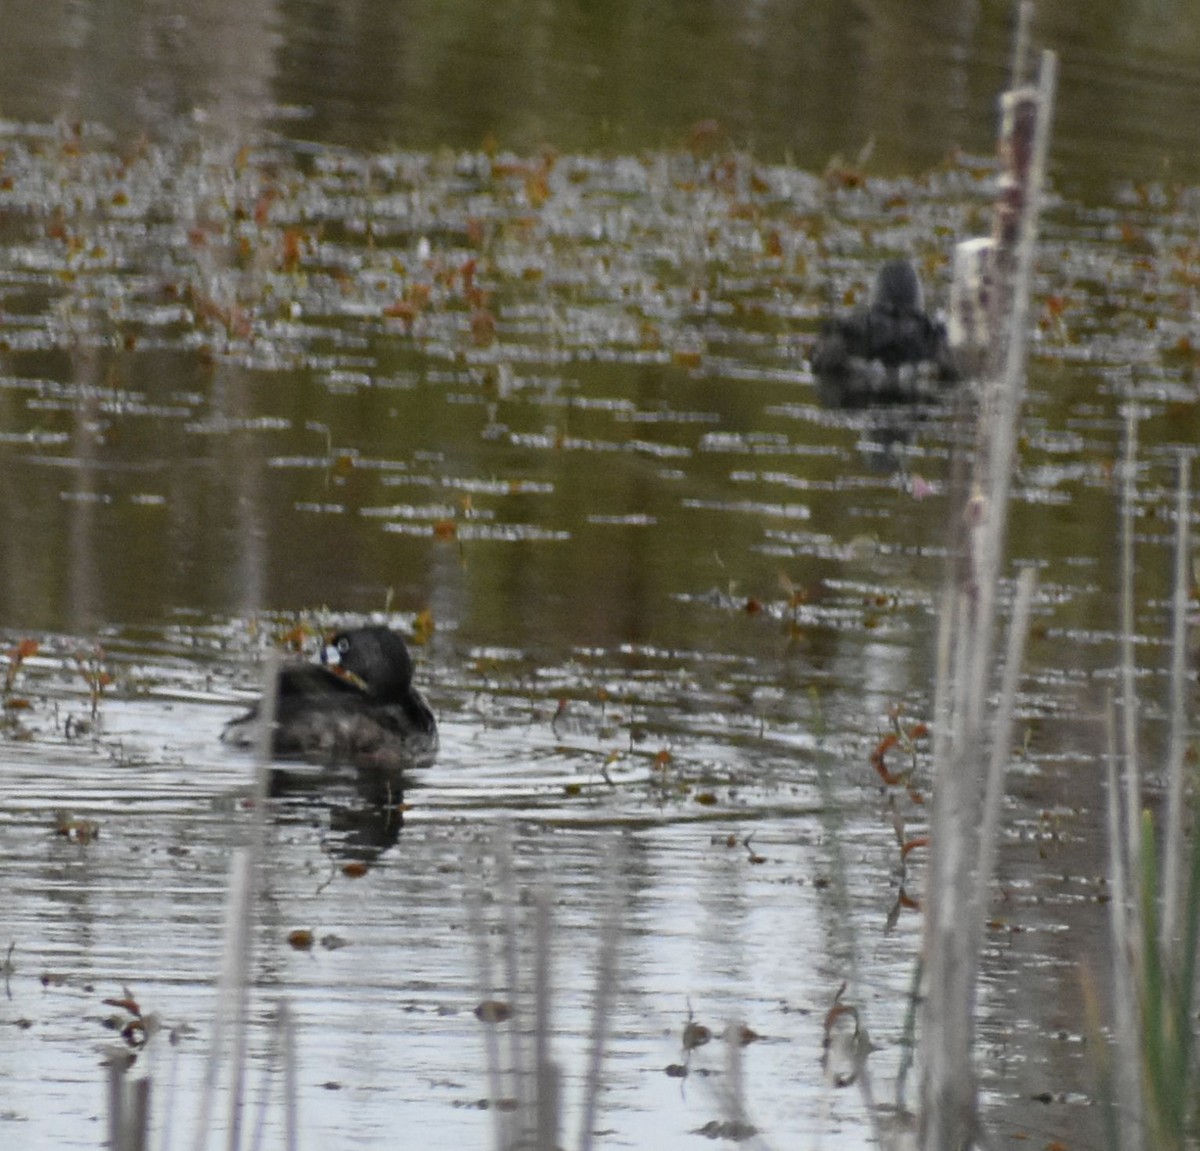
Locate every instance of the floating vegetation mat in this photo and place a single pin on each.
(552, 414)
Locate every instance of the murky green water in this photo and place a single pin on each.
(355, 342)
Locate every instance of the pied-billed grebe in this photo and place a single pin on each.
(357, 706)
(869, 349)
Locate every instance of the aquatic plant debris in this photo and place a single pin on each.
(275, 250)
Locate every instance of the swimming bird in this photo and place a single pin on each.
(357, 706)
(875, 351)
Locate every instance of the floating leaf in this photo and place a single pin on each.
(493, 1011)
(24, 649)
(127, 1004)
(76, 830)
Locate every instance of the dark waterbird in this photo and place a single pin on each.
(356, 707)
(878, 353)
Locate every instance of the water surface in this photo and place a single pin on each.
(354, 343)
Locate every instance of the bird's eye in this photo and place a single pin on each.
(343, 645)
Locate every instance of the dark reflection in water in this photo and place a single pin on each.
(808, 81)
(361, 824)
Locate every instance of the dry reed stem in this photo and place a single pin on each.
(960, 863)
(1128, 625)
(1131, 964)
(1018, 631)
(1173, 862)
(232, 1007)
(547, 1083)
(287, 1049)
(1021, 43)
(1126, 1024)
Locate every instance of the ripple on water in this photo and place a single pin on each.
(722, 850)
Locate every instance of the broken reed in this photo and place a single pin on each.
(968, 776)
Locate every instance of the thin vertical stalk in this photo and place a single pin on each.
(259, 1129)
(244, 952)
(960, 867)
(606, 987)
(995, 482)
(506, 884)
(1173, 893)
(949, 626)
(282, 1061)
(485, 981)
(1158, 1019)
(1126, 1027)
(1188, 946)
(287, 1046)
(116, 1103)
(1129, 704)
(546, 1074)
(232, 951)
(239, 952)
(140, 1114)
(165, 1141)
(733, 1084)
(948, 1083)
(1018, 630)
(1021, 45)
(233, 984)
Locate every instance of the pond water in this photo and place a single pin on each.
(497, 328)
